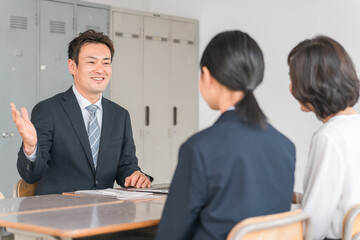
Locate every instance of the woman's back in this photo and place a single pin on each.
(241, 171)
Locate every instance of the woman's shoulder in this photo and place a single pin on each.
(340, 126)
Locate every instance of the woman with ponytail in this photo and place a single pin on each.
(241, 166)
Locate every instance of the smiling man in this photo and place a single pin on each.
(78, 139)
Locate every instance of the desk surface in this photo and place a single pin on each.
(77, 216)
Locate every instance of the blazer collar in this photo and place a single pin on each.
(230, 115)
(73, 111)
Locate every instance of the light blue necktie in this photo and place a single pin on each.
(94, 132)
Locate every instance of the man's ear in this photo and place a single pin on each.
(206, 77)
(72, 66)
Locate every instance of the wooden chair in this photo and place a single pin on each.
(351, 226)
(281, 226)
(1, 196)
(23, 189)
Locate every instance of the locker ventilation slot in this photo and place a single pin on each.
(57, 27)
(126, 35)
(18, 22)
(97, 29)
(181, 41)
(156, 38)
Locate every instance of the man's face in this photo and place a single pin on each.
(93, 72)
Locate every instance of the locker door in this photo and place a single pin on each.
(96, 19)
(18, 84)
(184, 84)
(127, 80)
(156, 98)
(92, 18)
(56, 31)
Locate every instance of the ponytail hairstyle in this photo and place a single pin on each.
(235, 60)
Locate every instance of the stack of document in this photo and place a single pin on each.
(115, 193)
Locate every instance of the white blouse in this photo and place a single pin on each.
(332, 175)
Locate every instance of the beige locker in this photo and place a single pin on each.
(184, 82)
(127, 85)
(155, 74)
(157, 139)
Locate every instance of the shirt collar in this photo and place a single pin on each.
(83, 102)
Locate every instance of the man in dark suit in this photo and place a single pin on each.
(79, 139)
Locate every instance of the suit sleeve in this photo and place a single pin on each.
(32, 172)
(187, 196)
(128, 163)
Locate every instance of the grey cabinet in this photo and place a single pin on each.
(33, 46)
(56, 30)
(18, 41)
(155, 77)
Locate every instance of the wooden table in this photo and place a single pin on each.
(66, 217)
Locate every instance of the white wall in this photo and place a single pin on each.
(277, 25)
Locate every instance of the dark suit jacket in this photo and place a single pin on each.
(63, 158)
(226, 173)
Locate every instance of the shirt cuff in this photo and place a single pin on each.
(32, 157)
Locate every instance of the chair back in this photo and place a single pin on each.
(281, 226)
(351, 226)
(24, 189)
(1, 196)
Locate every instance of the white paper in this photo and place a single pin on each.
(115, 193)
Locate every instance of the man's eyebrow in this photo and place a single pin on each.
(96, 58)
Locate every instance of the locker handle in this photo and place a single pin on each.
(174, 116)
(147, 116)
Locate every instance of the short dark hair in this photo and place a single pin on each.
(235, 60)
(323, 75)
(89, 36)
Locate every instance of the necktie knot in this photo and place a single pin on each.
(92, 108)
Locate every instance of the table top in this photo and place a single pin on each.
(79, 216)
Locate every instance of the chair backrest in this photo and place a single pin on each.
(23, 189)
(351, 226)
(281, 226)
(1, 196)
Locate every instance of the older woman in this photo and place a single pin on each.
(324, 81)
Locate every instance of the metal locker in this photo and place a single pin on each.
(184, 85)
(56, 31)
(127, 85)
(89, 17)
(156, 98)
(18, 44)
(96, 18)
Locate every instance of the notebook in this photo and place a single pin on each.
(156, 188)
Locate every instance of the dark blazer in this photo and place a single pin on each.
(63, 156)
(226, 173)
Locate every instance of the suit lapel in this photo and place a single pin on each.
(73, 111)
(106, 132)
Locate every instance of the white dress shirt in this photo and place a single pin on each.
(83, 103)
(332, 175)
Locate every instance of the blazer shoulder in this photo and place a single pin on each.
(114, 106)
(49, 102)
(281, 137)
